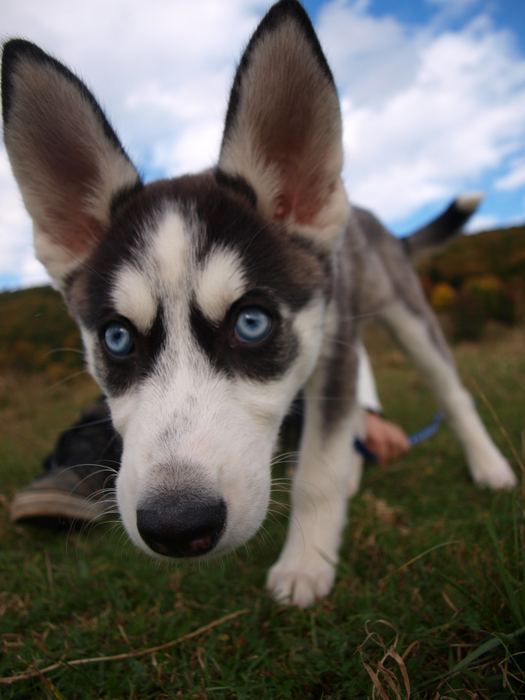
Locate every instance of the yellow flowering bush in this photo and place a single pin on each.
(442, 296)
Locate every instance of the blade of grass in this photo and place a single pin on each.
(419, 556)
(483, 649)
(464, 592)
(486, 646)
(505, 575)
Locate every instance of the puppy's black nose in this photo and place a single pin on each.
(181, 527)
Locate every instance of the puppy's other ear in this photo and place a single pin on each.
(65, 156)
(283, 126)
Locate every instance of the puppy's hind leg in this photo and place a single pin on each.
(421, 339)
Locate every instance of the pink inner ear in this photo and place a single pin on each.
(70, 175)
(280, 211)
(67, 224)
(299, 199)
(301, 212)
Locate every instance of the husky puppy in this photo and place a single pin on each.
(206, 302)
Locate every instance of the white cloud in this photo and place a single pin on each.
(16, 241)
(427, 111)
(514, 179)
(440, 128)
(372, 58)
(481, 222)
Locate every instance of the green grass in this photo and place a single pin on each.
(429, 596)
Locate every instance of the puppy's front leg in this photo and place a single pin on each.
(305, 570)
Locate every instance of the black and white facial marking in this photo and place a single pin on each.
(195, 243)
(201, 321)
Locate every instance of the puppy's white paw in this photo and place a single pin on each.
(301, 585)
(492, 469)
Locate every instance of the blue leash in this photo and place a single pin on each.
(428, 431)
(414, 439)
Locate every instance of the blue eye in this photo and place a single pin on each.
(117, 339)
(252, 325)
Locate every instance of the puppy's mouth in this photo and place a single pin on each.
(182, 527)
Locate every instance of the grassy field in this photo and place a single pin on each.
(429, 600)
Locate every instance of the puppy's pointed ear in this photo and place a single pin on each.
(65, 156)
(283, 126)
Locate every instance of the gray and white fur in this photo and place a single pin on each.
(206, 302)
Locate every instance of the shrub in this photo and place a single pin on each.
(442, 296)
(497, 300)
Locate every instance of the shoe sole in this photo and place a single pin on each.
(55, 505)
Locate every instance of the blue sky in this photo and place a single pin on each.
(432, 95)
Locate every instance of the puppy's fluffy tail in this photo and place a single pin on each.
(443, 229)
